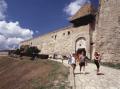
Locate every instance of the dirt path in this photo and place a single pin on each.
(110, 79)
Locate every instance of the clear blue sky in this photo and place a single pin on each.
(41, 15)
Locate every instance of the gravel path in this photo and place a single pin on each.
(89, 80)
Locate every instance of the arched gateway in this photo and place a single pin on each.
(80, 43)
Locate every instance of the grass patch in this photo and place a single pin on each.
(56, 78)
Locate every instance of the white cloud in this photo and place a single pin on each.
(3, 7)
(2, 42)
(12, 33)
(13, 29)
(36, 31)
(74, 6)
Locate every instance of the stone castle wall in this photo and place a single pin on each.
(62, 41)
(108, 31)
(105, 38)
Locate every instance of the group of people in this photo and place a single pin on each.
(80, 58)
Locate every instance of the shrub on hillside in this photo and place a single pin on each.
(43, 56)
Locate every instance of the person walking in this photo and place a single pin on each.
(97, 59)
(72, 61)
(82, 61)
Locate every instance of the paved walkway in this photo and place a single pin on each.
(110, 79)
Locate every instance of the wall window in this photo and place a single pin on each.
(63, 33)
(55, 36)
(68, 32)
(52, 36)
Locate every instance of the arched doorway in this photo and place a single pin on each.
(80, 43)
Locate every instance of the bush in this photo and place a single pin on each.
(17, 52)
(43, 56)
(12, 52)
(31, 51)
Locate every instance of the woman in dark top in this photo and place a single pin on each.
(97, 61)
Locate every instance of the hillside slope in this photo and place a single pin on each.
(27, 74)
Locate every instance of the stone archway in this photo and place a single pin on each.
(80, 43)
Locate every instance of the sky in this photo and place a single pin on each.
(24, 19)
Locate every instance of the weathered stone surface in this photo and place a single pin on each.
(108, 31)
(63, 43)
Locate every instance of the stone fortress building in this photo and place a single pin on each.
(90, 29)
